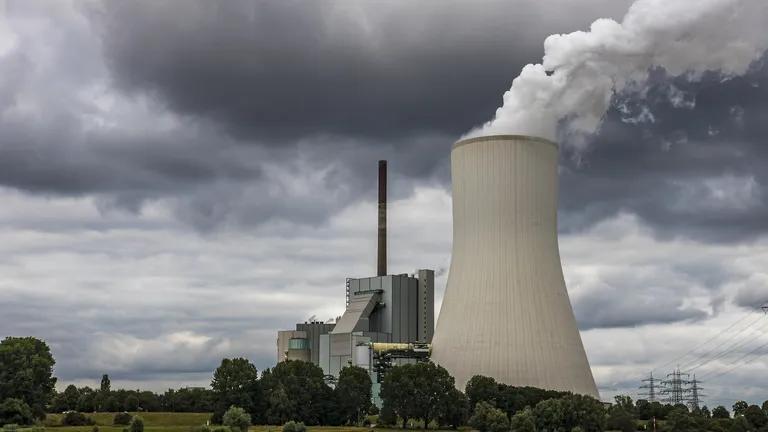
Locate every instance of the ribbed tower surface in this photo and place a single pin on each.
(506, 312)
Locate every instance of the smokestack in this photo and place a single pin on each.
(382, 250)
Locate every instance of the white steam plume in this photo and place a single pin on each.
(581, 70)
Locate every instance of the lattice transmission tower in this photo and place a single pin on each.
(650, 387)
(694, 400)
(674, 387)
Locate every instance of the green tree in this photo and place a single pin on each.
(755, 416)
(235, 382)
(15, 411)
(66, 400)
(487, 418)
(353, 393)
(680, 420)
(705, 412)
(739, 407)
(740, 424)
(523, 421)
(720, 412)
(106, 384)
(765, 407)
(455, 413)
(26, 372)
(625, 402)
(643, 409)
(416, 391)
(620, 419)
(307, 398)
(87, 400)
(570, 411)
(481, 388)
(131, 403)
(237, 419)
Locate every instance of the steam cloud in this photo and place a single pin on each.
(572, 88)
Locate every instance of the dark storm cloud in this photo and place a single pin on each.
(688, 158)
(294, 68)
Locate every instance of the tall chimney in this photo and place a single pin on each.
(382, 250)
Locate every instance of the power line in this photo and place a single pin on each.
(737, 344)
(736, 363)
(747, 315)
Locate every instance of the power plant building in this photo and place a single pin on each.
(383, 309)
(506, 312)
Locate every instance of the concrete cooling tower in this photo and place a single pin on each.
(506, 312)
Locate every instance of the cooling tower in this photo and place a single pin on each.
(506, 312)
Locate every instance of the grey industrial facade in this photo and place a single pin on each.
(388, 309)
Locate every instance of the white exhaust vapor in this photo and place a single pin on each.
(580, 71)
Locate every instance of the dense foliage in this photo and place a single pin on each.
(417, 391)
(15, 411)
(295, 394)
(26, 372)
(353, 391)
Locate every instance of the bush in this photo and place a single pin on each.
(74, 418)
(95, 428)
(237, 419)
(15, 412)
(137, 424)
(123, 419)
(293, 426)
(487, 418)
(10, 427)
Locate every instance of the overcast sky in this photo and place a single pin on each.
(181, 179)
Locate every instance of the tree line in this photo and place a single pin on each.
(419, 395)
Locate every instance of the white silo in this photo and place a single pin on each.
(506, 312)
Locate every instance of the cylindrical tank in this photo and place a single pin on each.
(506, 312)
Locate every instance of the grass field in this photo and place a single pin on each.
(169, 422)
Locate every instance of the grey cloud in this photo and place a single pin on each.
(289, 69)
(674, 173)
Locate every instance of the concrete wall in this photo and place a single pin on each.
(426, 305)
(506, 312)
(283, 337)
(313, 331)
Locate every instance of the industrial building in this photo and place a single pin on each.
(384, 314)
(506, 312)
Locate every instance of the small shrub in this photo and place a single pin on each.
(237, 419)
(137, 424)
(10, 427)
(293, 426)
(122, 419)
(95, 428)
(74, 418)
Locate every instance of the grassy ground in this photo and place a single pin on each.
(169, 422)
(151, 419)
